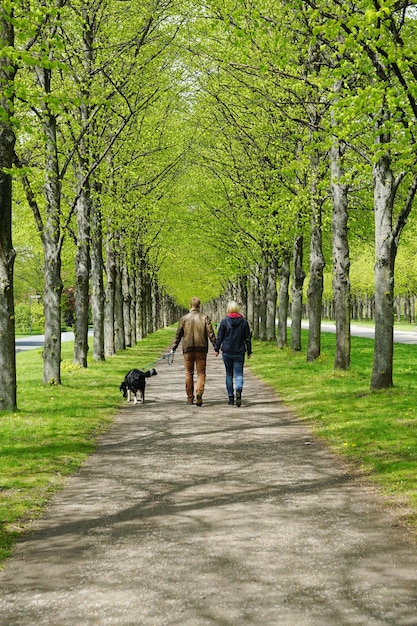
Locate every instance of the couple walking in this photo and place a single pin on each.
(233, 339)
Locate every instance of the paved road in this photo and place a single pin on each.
(36, 341)
(211, 516)
(400, 336)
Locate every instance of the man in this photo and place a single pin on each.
(194, 329)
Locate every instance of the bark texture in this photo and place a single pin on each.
(271, 300)
(384, 275)
(297, 294)
(97, 283)
(341, 258)
(82, 278)
(7, 253)
(110, 290)
(315, 287)
(284, 281)
(52, 242)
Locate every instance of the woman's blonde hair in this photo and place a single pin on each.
(233, 307)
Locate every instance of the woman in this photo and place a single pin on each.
(234, 340)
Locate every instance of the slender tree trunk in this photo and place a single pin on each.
(284, 281)
(127, 323)
(341, 258)
(271, 299)
(154, 304)
(148, 304)
(139, 289)
(110, 290)
(52, 309)
(7, 253)
(315, 287)
(243, 295)
(83, 208)
(52, 243)
(82, 278)
(132, 300)
(297, 294)
(251, 297)
(97, 284)
(160, 316)
(119, 327)
(256, 304)
(262, 300)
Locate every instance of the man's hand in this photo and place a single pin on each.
(215, 353)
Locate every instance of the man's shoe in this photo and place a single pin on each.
(238, 398)
(199, 400)
(231, 400)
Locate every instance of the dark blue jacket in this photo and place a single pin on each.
(234, 335)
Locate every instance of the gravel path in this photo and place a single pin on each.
(211, 516)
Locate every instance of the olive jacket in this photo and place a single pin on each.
(195, 329)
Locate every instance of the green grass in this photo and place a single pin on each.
(55, 428)
(375, 432)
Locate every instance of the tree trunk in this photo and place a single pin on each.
(386, 245)
(97, 285)
(384, 275)
(82, 278)
(132, 300)
(398, 308)
(52, 243)
(148, 307)
(83, 207)
(341, 259)
(297, 294)
(126, 302)
(119, 329)
(155, 305)
(256, 304)
(284, 281)
(315, 287)
(52, 309)
(271, 300)
(139, 295)
(7, 253)
(243, 295)
(262, 299)
(110, 290)
(250, 305)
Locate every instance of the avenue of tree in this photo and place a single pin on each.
(155, 150)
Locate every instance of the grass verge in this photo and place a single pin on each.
(55, 428)
(374, 431)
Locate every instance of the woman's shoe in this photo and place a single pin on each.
(238, 398)
(231, 400)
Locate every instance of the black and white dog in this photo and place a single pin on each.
(135, 381)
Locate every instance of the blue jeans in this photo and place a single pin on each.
(234, 368)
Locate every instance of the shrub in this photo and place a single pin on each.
(29, 317)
